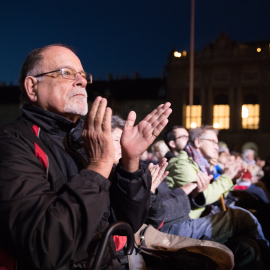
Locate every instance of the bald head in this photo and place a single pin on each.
(32, 66)
(57, 82)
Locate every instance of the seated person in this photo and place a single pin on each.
(56, 199)
(169, 212)
(184, 168)
(176, 139)
(223, 156)
(255, 168)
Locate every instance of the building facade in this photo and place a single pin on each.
(231, 91)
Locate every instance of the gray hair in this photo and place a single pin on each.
(199, 131)
(117, 122)
(32, 66)
(246, 152)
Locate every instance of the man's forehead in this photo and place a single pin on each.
(209, 134)
(57, 56)
(117, 132)
(180, 131)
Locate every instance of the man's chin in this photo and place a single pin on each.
(79, 108)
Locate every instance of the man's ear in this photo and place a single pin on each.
(30, 85)
(172, 144)
(197, 143)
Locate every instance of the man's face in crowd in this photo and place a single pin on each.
(250, 156)
(54, 93)
(181, 139)
(116, 134)
(208, 144)
(223, 158)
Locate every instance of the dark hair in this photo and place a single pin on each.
(31, 66)
(117, 122)
(198, 132)
(169, 135)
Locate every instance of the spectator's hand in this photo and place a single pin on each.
(97, 137)
(189, 187)
(203, 181)
(260, 163)
(135, 140)
(239, 174)
(232, 168)
(158, 173)
(213, 162)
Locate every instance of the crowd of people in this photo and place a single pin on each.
(63, 180)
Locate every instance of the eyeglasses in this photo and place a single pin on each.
(70, 74)
(182, 137)
(212, 141)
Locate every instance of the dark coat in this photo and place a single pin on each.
(170, 206)
(49, 216)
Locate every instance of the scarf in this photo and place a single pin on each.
(198, 158)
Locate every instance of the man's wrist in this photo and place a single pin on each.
(102, 168)
(130, 165)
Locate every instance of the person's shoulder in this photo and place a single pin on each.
(14, 127)
(183, 158)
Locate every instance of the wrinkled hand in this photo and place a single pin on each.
(135, 140)
(203, 181)
(189, 187)
(158, 173)
(232, 168)
(97, 137)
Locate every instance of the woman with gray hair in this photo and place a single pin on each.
(250, 164)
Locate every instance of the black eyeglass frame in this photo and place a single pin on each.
(60, 69)
(181, 137)
(212, 141)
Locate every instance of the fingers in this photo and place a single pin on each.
(203, 181)
(92, 113)
(107, 121)
(199, 183)
(189, 187)
(165, 175)
(163, 160)
(148, 117)
(150, 165)
(130, 120)
(154, 172)
(158, 118)
(96, 115)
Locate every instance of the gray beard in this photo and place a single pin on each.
(74, 104)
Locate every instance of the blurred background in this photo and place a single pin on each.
(139, 55)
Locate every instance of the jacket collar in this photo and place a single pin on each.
(51, 122)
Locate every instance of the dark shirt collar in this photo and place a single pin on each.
(51, 122)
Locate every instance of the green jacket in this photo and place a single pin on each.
(183, 169)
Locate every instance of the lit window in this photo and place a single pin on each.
(250, 116)
(185, 53)
(259, 49)
(196, 116)
(177, 54)
(221, 116)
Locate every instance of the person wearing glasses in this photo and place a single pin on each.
(176, 139)
(56, 198)
(237, 228)
(193, 160)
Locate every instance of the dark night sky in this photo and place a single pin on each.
(119, 36)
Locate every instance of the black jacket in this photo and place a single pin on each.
(48, 217)
(171, 206)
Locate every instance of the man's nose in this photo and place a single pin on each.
(80, 80)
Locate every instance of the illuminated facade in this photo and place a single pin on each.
(232, 88)
(196, 116)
